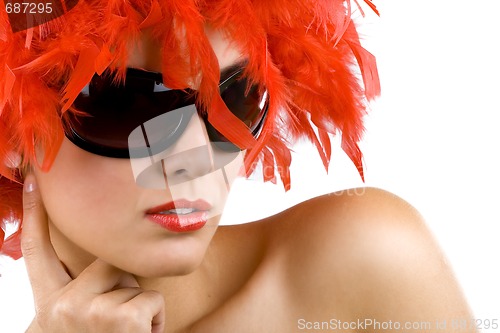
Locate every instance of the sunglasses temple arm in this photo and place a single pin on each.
(225, 178)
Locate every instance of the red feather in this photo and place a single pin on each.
(305, 53)
(6, 85)
(84, 70)
(10, 211)
(236, 131)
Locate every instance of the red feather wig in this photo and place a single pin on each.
(306, 53)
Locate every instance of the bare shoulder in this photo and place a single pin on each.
(353, 220)
(365, 254)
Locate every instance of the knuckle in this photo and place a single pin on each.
(130, 311)
(29, 246)
(133, 316)
(98, 312)
(156, 297)
(65, 308)
(57, 312)
(30, 203)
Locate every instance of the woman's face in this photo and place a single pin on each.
(98, 208)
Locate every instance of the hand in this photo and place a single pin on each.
(102, 299)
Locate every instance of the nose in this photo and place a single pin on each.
(189, 156)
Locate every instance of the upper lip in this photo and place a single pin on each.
(199, 205)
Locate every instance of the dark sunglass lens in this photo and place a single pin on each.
(158, 134)
(246, 104)
(249, 106)
(114, 110)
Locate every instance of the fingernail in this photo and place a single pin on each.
(29, 184)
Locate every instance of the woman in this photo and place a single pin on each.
(120, 215)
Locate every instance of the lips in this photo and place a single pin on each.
(180, 215)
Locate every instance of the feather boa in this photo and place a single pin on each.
(302, 51)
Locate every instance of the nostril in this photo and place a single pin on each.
(180, 172)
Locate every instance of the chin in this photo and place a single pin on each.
(165, 270)
(166, 263)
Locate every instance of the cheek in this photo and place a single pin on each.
(82, 189)
(96, 205)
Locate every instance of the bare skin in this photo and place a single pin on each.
(333, 257)
(343, 257)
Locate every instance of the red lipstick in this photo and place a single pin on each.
(180, 215)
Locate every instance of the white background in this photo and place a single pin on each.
(432, 138)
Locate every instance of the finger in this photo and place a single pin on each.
(116, 297)
(150, 304)
(101, 277)
(45, 271)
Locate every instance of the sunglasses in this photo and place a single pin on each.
(111, 112)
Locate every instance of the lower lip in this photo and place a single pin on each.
(180, 223)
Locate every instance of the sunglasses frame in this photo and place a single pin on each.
(233, 74)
